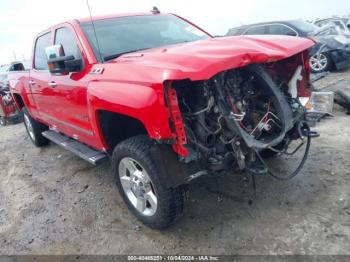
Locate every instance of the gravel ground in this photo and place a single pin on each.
(51, 202)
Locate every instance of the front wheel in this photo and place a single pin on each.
(138, 180)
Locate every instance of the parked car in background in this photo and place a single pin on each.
(9, 113)
(8, 110)
(343, 24)
(14, 66)
(332, 50)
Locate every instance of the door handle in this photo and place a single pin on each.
(31, 82)
(52, 84)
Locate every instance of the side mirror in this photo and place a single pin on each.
(59, 63)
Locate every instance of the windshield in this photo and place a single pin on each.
(304, 26)
(121, 35)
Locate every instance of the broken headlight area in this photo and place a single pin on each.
(237, 118)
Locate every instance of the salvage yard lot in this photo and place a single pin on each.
(52, 202)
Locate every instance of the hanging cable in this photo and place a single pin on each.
(304, 132)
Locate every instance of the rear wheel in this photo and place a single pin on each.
(320, 63)
(138, 180)
(34, 129)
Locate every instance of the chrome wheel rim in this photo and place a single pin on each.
(318, 62)
(137, 186)
(29, 127)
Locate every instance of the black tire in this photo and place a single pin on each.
(328, 66)
(37, 128)
(170, 201)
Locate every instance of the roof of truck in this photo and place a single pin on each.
(96, 18)
(101, 17)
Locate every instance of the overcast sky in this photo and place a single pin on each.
(21, 20)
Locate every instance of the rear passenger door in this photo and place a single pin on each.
(39, 79)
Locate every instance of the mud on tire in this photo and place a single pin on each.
(170, 201)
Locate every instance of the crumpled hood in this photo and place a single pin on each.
(203, 59)
(333, 42)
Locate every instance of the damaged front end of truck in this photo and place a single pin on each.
(234, 120)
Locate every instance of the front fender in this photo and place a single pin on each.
(142, 102)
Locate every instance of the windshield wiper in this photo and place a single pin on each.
(109, 57)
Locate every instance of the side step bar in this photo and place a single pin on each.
(87, 153)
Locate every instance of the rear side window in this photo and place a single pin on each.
(256, 30)
(40, 59)
(65, 37)
(17, 67)
(280, 30)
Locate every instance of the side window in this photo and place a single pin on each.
(234, 31)
(40, 59)
(256, 30)
(65, 37)
(17, 67)
(281, 30)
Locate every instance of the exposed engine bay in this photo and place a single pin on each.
(236, 118)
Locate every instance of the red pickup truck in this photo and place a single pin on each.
(165, 101)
